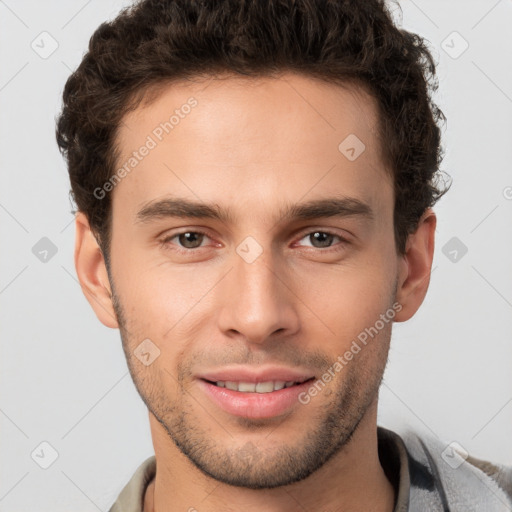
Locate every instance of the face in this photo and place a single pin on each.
(290, 260)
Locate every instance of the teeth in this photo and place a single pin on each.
(279, 384)
(249, 387)
(252, 387)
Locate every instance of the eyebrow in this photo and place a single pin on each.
(314, 209)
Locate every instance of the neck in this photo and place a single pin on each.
(353, 479)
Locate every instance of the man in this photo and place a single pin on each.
(254, 183)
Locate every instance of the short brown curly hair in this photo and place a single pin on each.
(158, 41)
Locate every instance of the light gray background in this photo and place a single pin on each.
(63, 374)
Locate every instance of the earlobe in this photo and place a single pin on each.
(92, 272)
(415, 267)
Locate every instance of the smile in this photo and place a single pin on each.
(253, 387)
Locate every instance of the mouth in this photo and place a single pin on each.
(257, 387)
(255, 400)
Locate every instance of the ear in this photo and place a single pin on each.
(415, 267)
(92, 272)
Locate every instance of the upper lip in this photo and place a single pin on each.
(265, 374)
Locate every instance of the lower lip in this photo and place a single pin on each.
(254, 405)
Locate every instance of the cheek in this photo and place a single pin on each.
(350, 297)
(161, 301)
(351, 303)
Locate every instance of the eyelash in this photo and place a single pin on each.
(166, 241)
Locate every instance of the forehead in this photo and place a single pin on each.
(251, 139)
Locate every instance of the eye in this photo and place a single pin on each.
(323, 239)
(188, 240)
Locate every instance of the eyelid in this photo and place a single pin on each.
(342, 233)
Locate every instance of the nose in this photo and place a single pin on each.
(257, 300)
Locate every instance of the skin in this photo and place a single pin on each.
(254, 146)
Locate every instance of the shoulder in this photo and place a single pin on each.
(131, 497)
(444, 476)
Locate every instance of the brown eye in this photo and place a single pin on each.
(186, 241)
(190, 239)
(322, 239)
